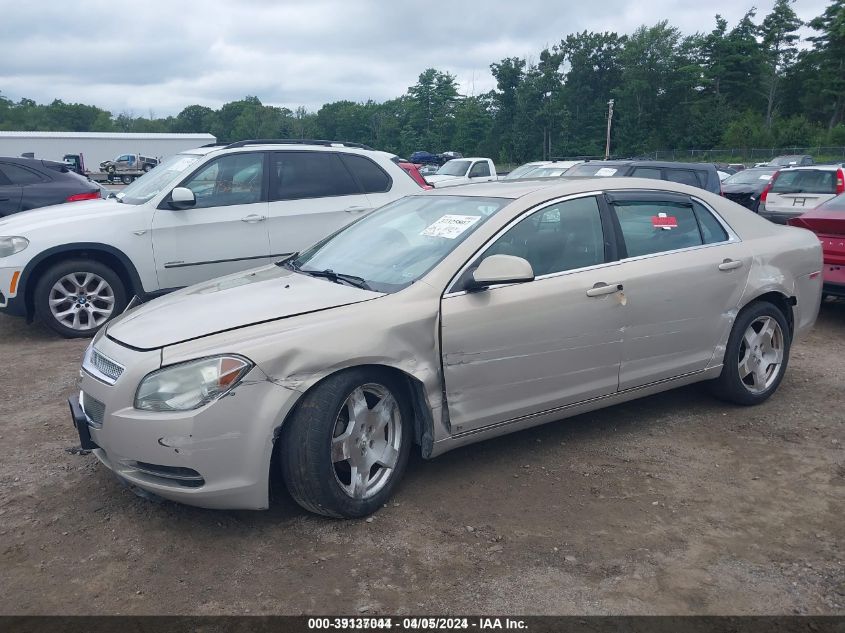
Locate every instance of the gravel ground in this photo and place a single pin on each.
(674, 504)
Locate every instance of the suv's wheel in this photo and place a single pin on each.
(347, 444)
(147, 167)
(76, 297)
(756, 356)
(111, 169)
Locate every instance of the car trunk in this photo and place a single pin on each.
(831, 233)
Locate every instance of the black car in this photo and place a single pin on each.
(792, 160)
(701, 175)
(29, 183)
(745, 187)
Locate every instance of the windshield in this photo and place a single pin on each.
(520, 171)
(151, 183)
(396, 245)
(546, 172)
(454, 168)
(750, 177)
(590, 170)
(786, 160)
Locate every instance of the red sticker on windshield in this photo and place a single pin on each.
(663, 221)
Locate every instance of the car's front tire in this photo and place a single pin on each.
(77, 297)
(347, 443)
(756, 356)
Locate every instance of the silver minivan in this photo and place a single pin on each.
(794, 190)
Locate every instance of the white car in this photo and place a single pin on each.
(201, 214)
(794, 190)
(460, 171)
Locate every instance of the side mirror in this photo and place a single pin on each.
(182, 198)
(501, 269)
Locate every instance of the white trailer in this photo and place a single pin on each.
(96, 147)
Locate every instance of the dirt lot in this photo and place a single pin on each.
(673, 504)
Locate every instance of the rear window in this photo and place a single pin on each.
(297, 175)
(805, 181)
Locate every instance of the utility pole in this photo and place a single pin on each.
(609, 121)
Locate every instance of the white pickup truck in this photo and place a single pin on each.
(460, 171)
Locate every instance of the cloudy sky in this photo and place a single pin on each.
(167, 55)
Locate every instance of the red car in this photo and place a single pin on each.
(414, 172)
(827, 221)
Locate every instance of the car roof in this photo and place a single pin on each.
(650, 163)
(295, 147)
(32, 162)
(823, 167)
(514, 189)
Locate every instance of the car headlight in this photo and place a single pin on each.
(12, 245)
(190, 385)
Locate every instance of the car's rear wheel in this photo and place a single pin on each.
(147, 167)
(347, 443)
(126, 180)
(77, 297)
(756, 356)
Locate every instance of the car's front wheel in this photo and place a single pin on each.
(756, 355)
(346, 445)
(77, 297)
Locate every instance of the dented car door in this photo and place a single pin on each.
(515, 350)
(684, 275)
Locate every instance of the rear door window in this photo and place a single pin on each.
(684, 177)
(373, 179)
(297, 175)
(18, 175)
(647, 172)
(656, 226)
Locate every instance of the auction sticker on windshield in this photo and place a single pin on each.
(450, 226)
(605, 172)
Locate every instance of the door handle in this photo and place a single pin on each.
(601, 289)
(356, 209)
(730, 264)
(253, 218)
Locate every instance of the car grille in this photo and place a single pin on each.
(94, 409)
(105, 366)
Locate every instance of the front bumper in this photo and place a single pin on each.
(217, 456)
(11, 302)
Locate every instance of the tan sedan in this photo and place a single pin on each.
(439, 320)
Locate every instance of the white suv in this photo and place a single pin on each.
(794, 190)
(198, 215)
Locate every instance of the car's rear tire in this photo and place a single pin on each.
(346, 445)
(126, 180)
(75, 298)
(756, 356)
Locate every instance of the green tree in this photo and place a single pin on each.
(779, 32)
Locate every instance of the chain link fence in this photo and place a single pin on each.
(748, 155)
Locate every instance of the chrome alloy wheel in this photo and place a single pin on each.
(366, 440)
(761, 354)
(81, 301)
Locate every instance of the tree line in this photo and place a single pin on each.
(750, 84)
